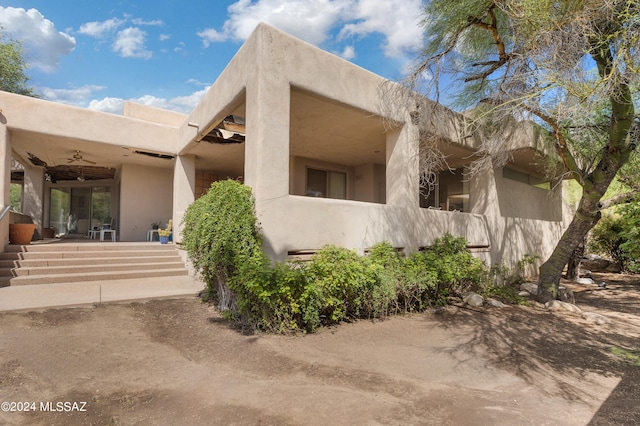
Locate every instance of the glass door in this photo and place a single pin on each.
(76, 210)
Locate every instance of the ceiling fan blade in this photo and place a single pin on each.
(89, 161)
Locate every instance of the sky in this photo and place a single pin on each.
(166, 53)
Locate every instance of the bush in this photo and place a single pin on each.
(618, 237)
(220, 234)
(223, 241)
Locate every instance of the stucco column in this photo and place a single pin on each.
(403, 184)
(184, 183)
(266, 167)
(5, 180)
(5, 163)
(33, 194)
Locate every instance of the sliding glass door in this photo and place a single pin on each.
(76, 210)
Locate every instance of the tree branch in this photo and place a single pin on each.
(561, 147)
(503, 56)
(618, 199)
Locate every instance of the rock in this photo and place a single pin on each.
(602, 284)
(532, 288)
(496, 303)
(473, 299)
(596, 263)
(585, 281)
(566, 294)
(593, 318)
(584, 273)
(524, 293)
(613, 268)
(558, 305)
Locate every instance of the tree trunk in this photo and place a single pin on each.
(551, 270)
(573, 266)
(585, 218)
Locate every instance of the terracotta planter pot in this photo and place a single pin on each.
(21, 233)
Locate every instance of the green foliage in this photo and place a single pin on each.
(606, 238)
(15, 193)
(12, 67)
(630, 247)
(222, 239)
(630, 356)
(504, 281)
(220, 235)
(617, 236)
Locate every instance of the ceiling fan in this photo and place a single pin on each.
(78, 157)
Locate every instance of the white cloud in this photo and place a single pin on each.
(210, 35)
(184, 104)
(99, 29)
(164, 37)
(348, 53)
(155, 23)
(77, 96)
(44, 45)
(397, 20)
(196, 82)
(308, 20)
(111, 105)
(130, 43)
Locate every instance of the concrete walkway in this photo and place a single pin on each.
(35, 297)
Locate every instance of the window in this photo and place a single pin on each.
(450, 192)
(326, 184)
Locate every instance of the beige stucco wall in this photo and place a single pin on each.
(304, 223)
(521, 219)
(39, 116)
(5, 185)
(146, 196)
(153, 115)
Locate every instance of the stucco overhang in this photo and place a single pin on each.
(54, 133)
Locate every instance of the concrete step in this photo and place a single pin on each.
(69, 262)
(89, 246)
(88, 261)
(55, 270)
(96, 276)
(34, 255)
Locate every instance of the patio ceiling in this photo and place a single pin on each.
(320, 128)
(69, 159)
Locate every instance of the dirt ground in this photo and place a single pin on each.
(178, 362)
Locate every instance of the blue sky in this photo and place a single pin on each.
(165, 53)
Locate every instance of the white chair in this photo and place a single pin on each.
(152, 234)
(104, 231)
(108, 227)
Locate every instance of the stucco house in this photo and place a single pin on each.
(299, 125)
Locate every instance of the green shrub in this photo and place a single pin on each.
(618, 237)
(220, 234)
(342, 279)
(456, 269)
(223, 241)
(607, 237)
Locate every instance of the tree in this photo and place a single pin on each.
(12, 67)
(572, 67)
